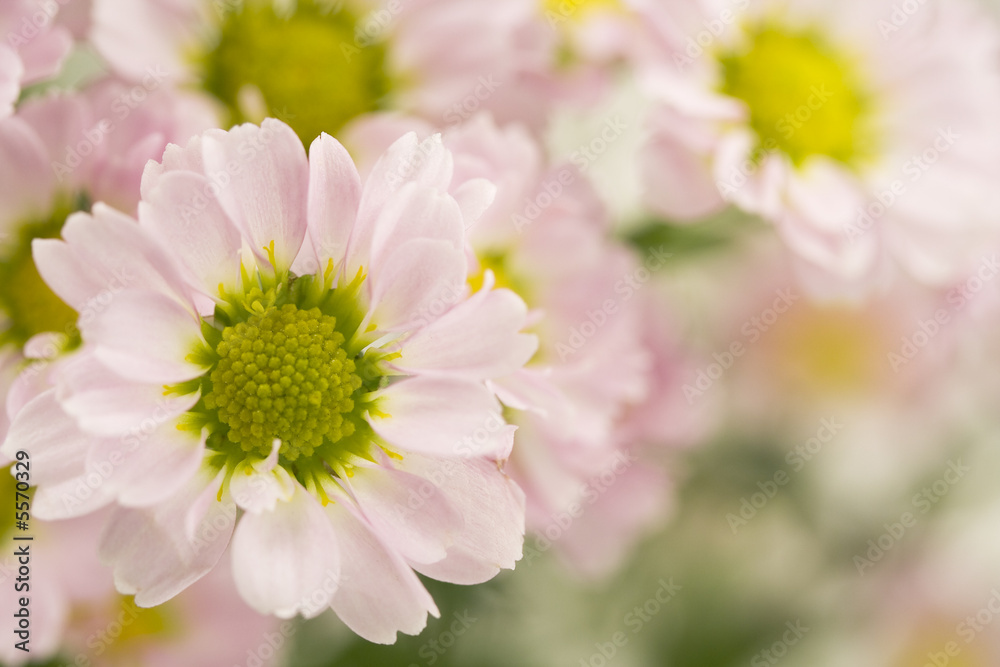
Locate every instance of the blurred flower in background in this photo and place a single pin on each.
(527, 333)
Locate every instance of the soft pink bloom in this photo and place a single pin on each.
(244, 243)
(922, 196)
(33, 47)
(58, 153)
(518, 59)
(445, 59)
(602, 397)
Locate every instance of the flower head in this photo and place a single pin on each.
(300, 347)
(849, 133)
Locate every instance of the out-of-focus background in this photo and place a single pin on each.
(837, 505)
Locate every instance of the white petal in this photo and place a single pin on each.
(443, 416)
(492, 507)
(334, 194)
(379, 594)
(154, 552)
(105, 403)
(149, 464)
(266, 196)
(410, 513)
(147, 337)
(183, 212)
(417, 283)
(477, 339)
(286, 561)
(51, 438)
(260, 490)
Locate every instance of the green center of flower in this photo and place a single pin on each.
(30, 306)
(284, 374)
(312, 68)
(804, 96)
(287, 361)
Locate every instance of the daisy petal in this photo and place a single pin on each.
(379, 594)
(477, 339)
(145, 336)
(334, 194)
(155, 554)
(268, 181)
(285, 561)
(443, 416)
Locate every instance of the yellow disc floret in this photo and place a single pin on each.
(803, 95)
(284, 374)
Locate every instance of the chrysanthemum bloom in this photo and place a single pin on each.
(866, 140)
(548, 238)
(300, 347)
(58, 153)
(318, 64)
(33, 47)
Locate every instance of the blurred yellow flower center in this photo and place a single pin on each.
(315, 68)
(804, 97)
(499, 263)
(558, 11)
(933, 641)
(833, 350)
(30, 306)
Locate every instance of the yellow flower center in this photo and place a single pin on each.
(829, 350)
(804, 97)
(315, 68)
(284, 374)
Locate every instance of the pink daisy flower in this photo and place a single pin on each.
(870, 146)
(281, 353)
(58, 153)
(583, 403)
(318, 64)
